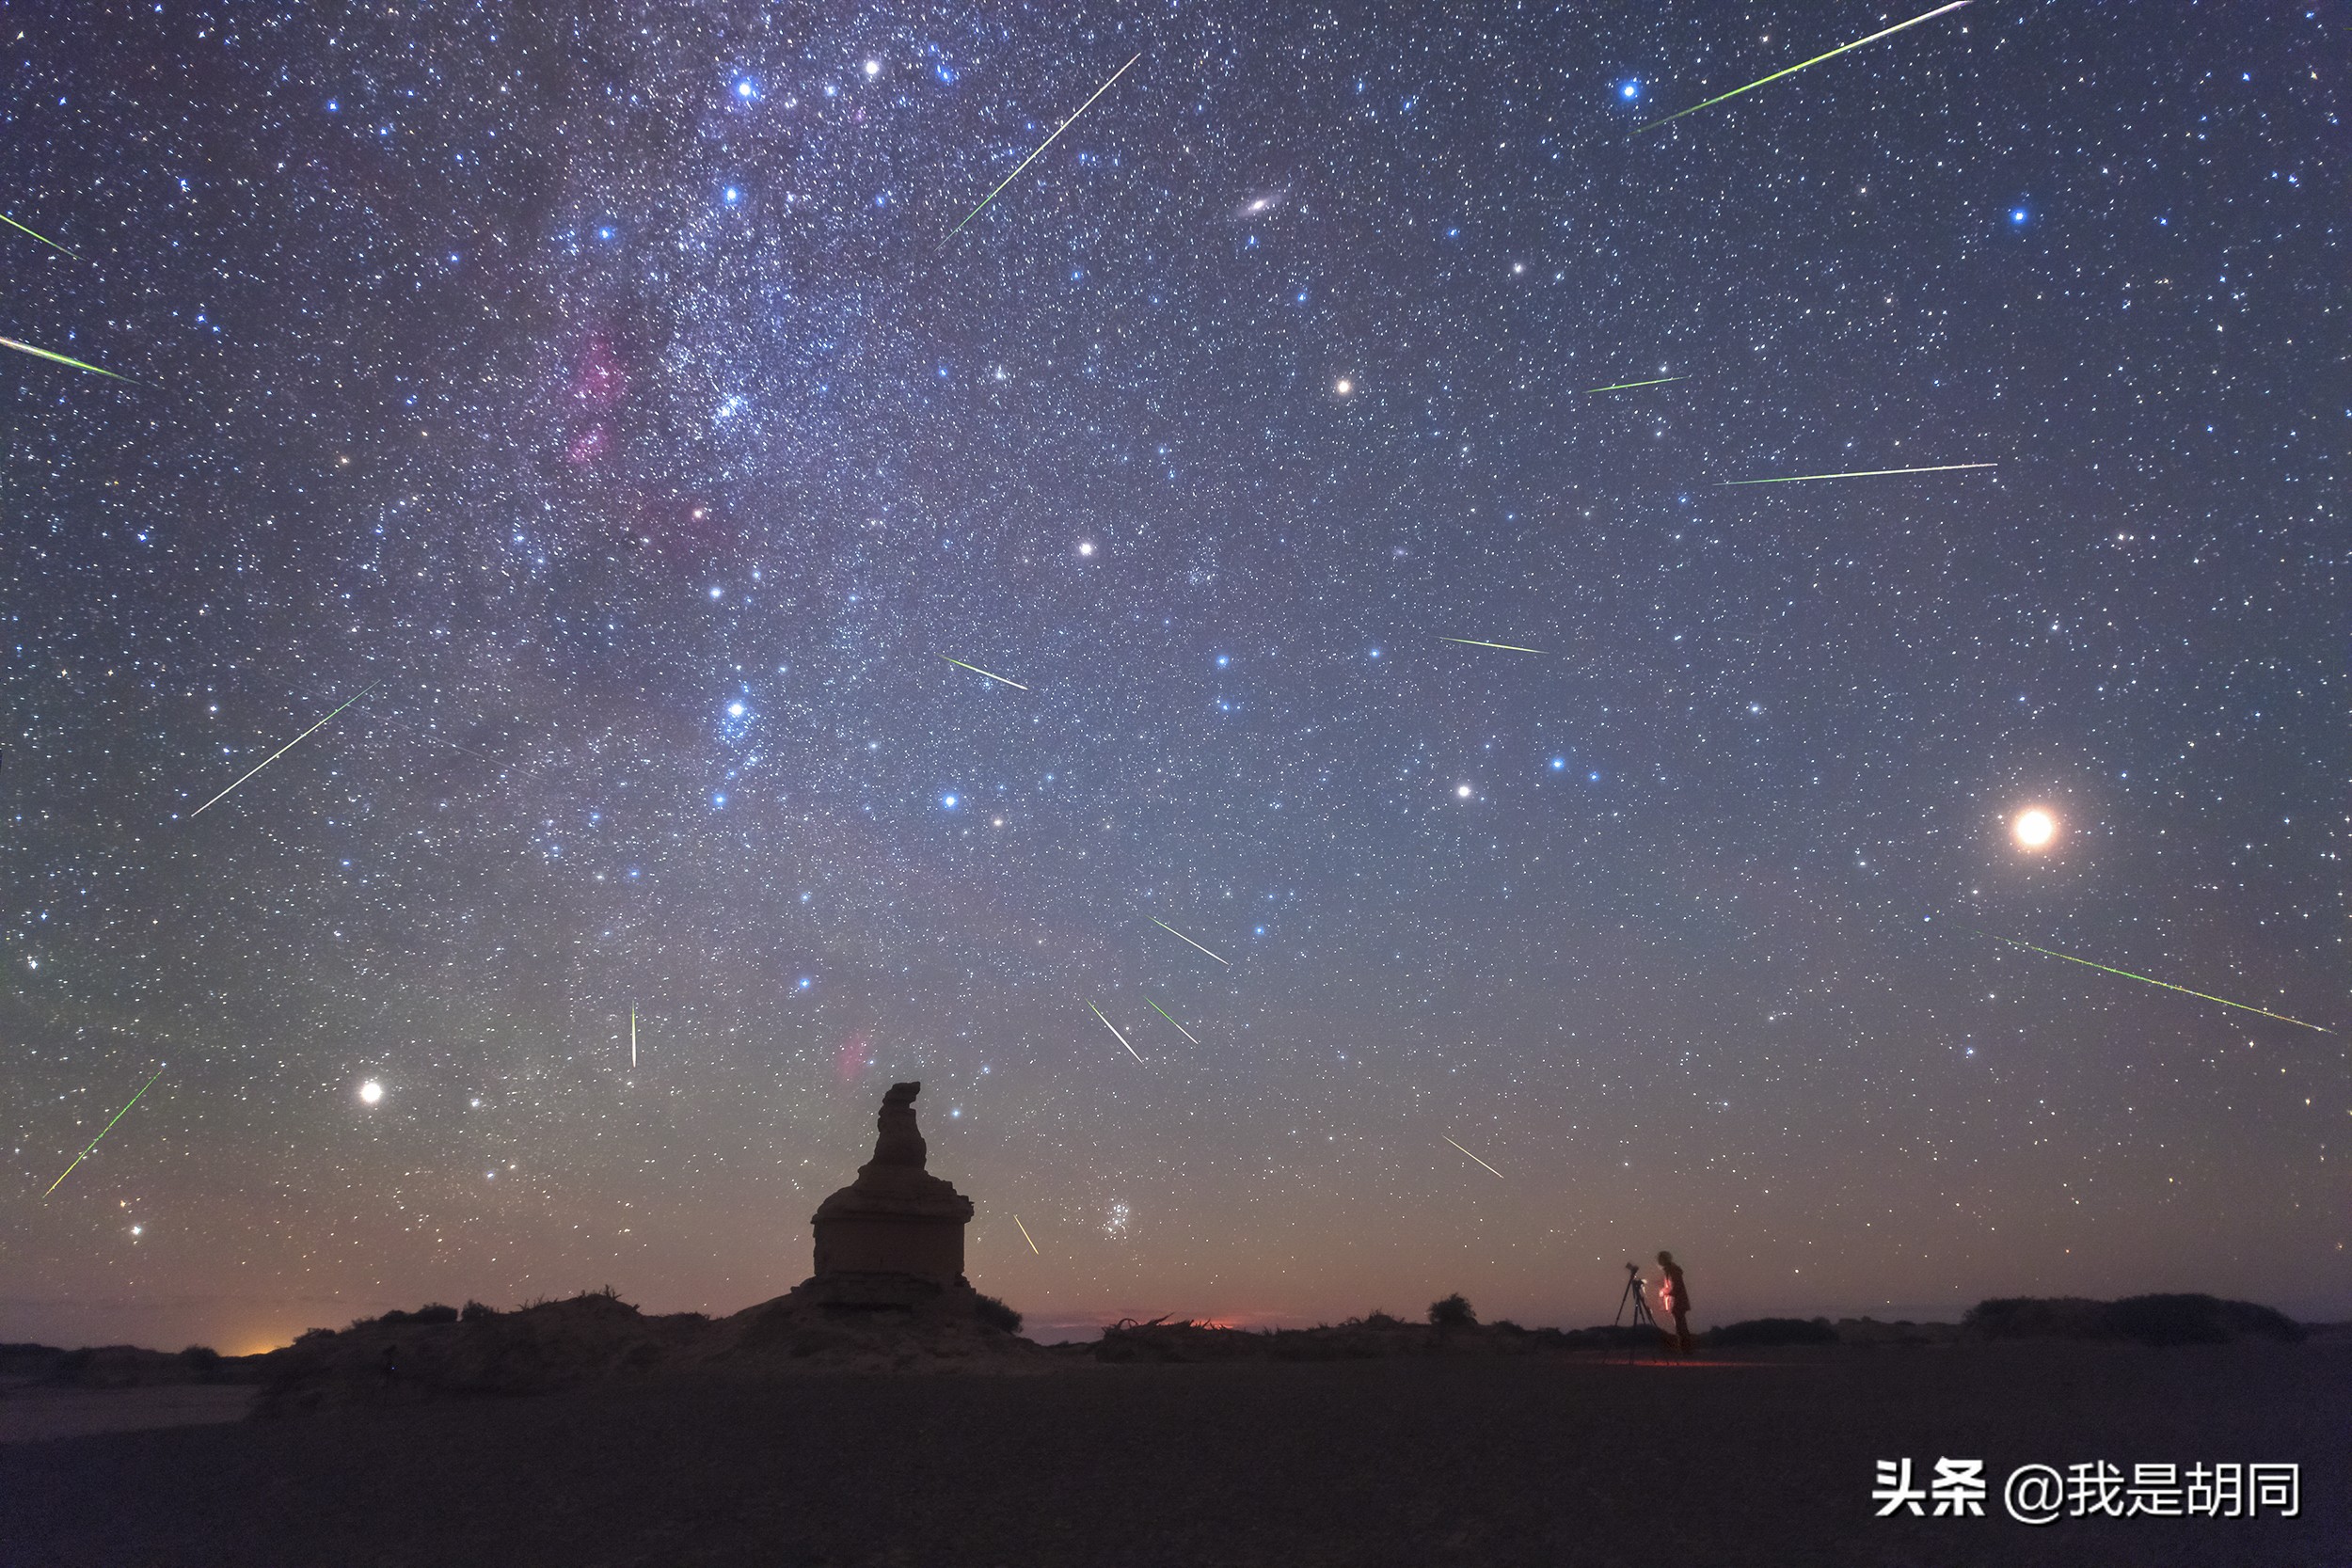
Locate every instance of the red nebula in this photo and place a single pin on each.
(850, 1061)
(587, 446)
(599, 382)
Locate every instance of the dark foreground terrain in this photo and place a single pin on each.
(1762, 1459)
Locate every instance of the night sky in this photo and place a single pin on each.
(605, 387)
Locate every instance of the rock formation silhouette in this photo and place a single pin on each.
(896, 1219)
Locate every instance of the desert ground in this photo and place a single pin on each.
(1762, 1457)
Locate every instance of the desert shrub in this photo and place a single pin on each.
(2159, 1320)
(1452, 1312)
(433, 1314)
(2250, 1319)
(2035, 1318)
(2187, 1319)
(996, 1314)
(1774, 1331)
(201, 1359)
(474, 1312)
(2195, 1320)
(1375, 1318)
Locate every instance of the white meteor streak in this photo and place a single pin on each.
(275, 755)
(1180, 937)
(1040, 147)
(1472, 1156)
(1114, 1029)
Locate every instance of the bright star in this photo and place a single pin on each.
(1462, 790)
(1086, 546)
(2034, 828)
(1558, 764)
(370, 1092)
(948, 801)
(1630, 90)
(2018, 215)
(735, 710)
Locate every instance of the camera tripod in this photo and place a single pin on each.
(1633, 1296)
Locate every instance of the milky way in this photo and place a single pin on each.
(605, 384)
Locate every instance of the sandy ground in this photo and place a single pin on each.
(27, 1414)
(1520, 1461)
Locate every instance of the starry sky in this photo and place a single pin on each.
(602, 394)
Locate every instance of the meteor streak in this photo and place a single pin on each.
(1122, 1039)
(37, 234)
(1622, 385)
(978, 670)
(1472, 1156)
(2166, 984)
(1040, 147)
(1171, 1017)
(1180, 937)
(632, 1036)
(1025, 1236)
(1863, 473)
(1816, 60)
(1474, 643)
(274, 756)
(104, 1131)
(64, 360)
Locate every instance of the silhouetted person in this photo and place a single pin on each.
(1674, 1299)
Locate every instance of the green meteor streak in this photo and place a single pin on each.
(37, 234)
(1474, 643)
(978, 670)
(1114, 1029)
(2166, 984)
(1180, 937)
(104, 1131)
(63, 359)
(1802, 64)
(1864, 473)
(1622, 385)
(274, 756)
(1040, 147)
(1171, 1017)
